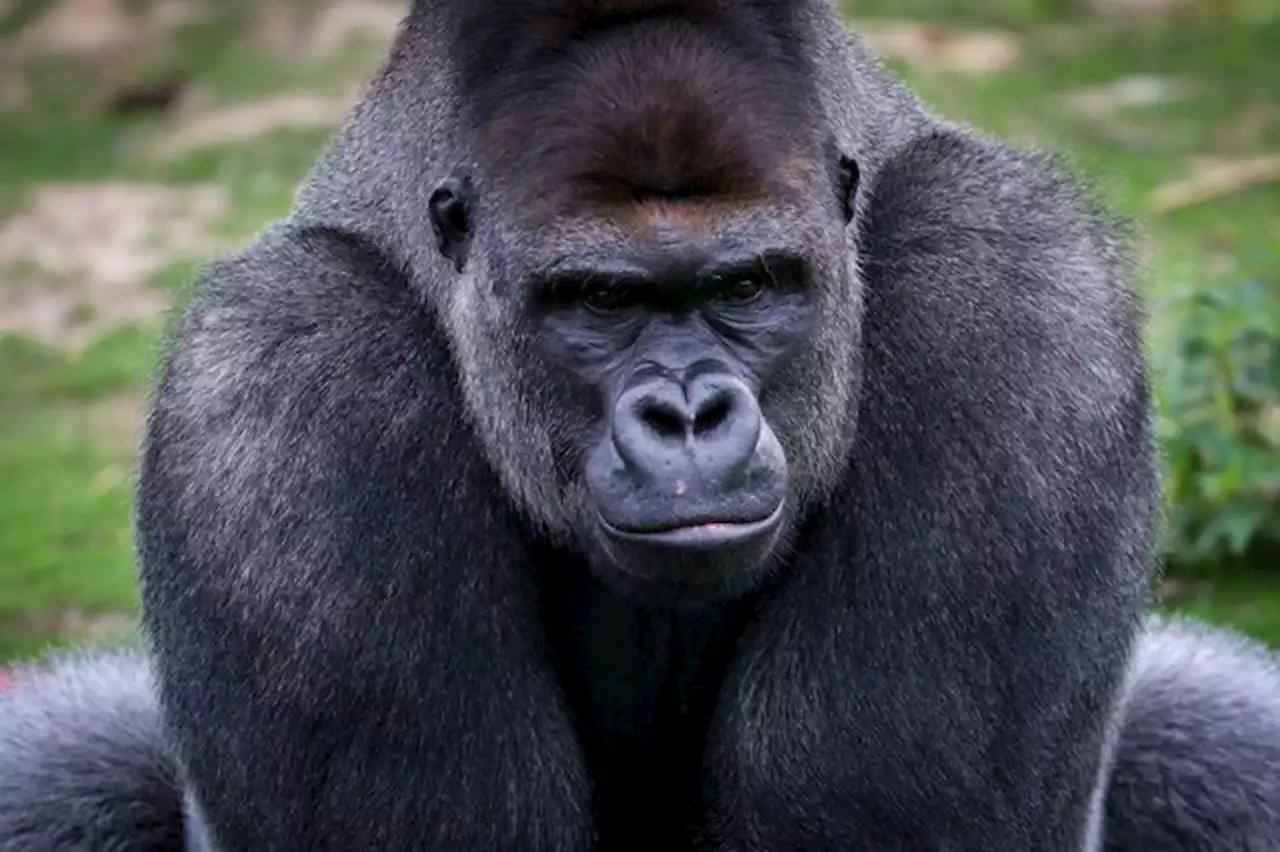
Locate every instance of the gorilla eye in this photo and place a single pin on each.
(741, 290)
(605, 297)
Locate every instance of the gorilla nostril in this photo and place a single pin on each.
(664, 421)
(713, 414)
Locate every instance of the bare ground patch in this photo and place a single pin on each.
(313, 31)
(245, 121)
(89, 28)
(94, 28)
(77, 259)
(110, 37)
(936, 48)
(75, 624)
(307, 32)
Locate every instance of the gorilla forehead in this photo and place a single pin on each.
(653, 109)
(651, 239)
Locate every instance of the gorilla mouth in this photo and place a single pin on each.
(695, 533)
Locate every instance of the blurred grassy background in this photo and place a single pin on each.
(138, 138)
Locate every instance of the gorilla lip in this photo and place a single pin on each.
(698, 535)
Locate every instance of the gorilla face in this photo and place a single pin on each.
(675, 360)
(687, 478)
(660, 377)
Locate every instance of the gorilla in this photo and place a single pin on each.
(653, 428)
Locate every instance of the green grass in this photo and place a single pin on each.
(1246, 601)
(64, 508)
(65, 487)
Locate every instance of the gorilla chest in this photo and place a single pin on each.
(643, 686)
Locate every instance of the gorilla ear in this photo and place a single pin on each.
(847, 185)
(450, 208)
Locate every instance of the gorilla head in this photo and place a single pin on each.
(677, 273)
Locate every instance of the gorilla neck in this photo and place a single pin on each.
(642, 684)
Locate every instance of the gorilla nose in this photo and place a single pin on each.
(713, 424)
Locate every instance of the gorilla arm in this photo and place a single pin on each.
(981, 567)
(344, 667)
(83, 760)
(1197, 765)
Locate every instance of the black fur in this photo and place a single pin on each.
(83, 760)
(1198, 764)
(379, 614)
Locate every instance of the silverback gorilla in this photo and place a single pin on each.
(652, 428)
